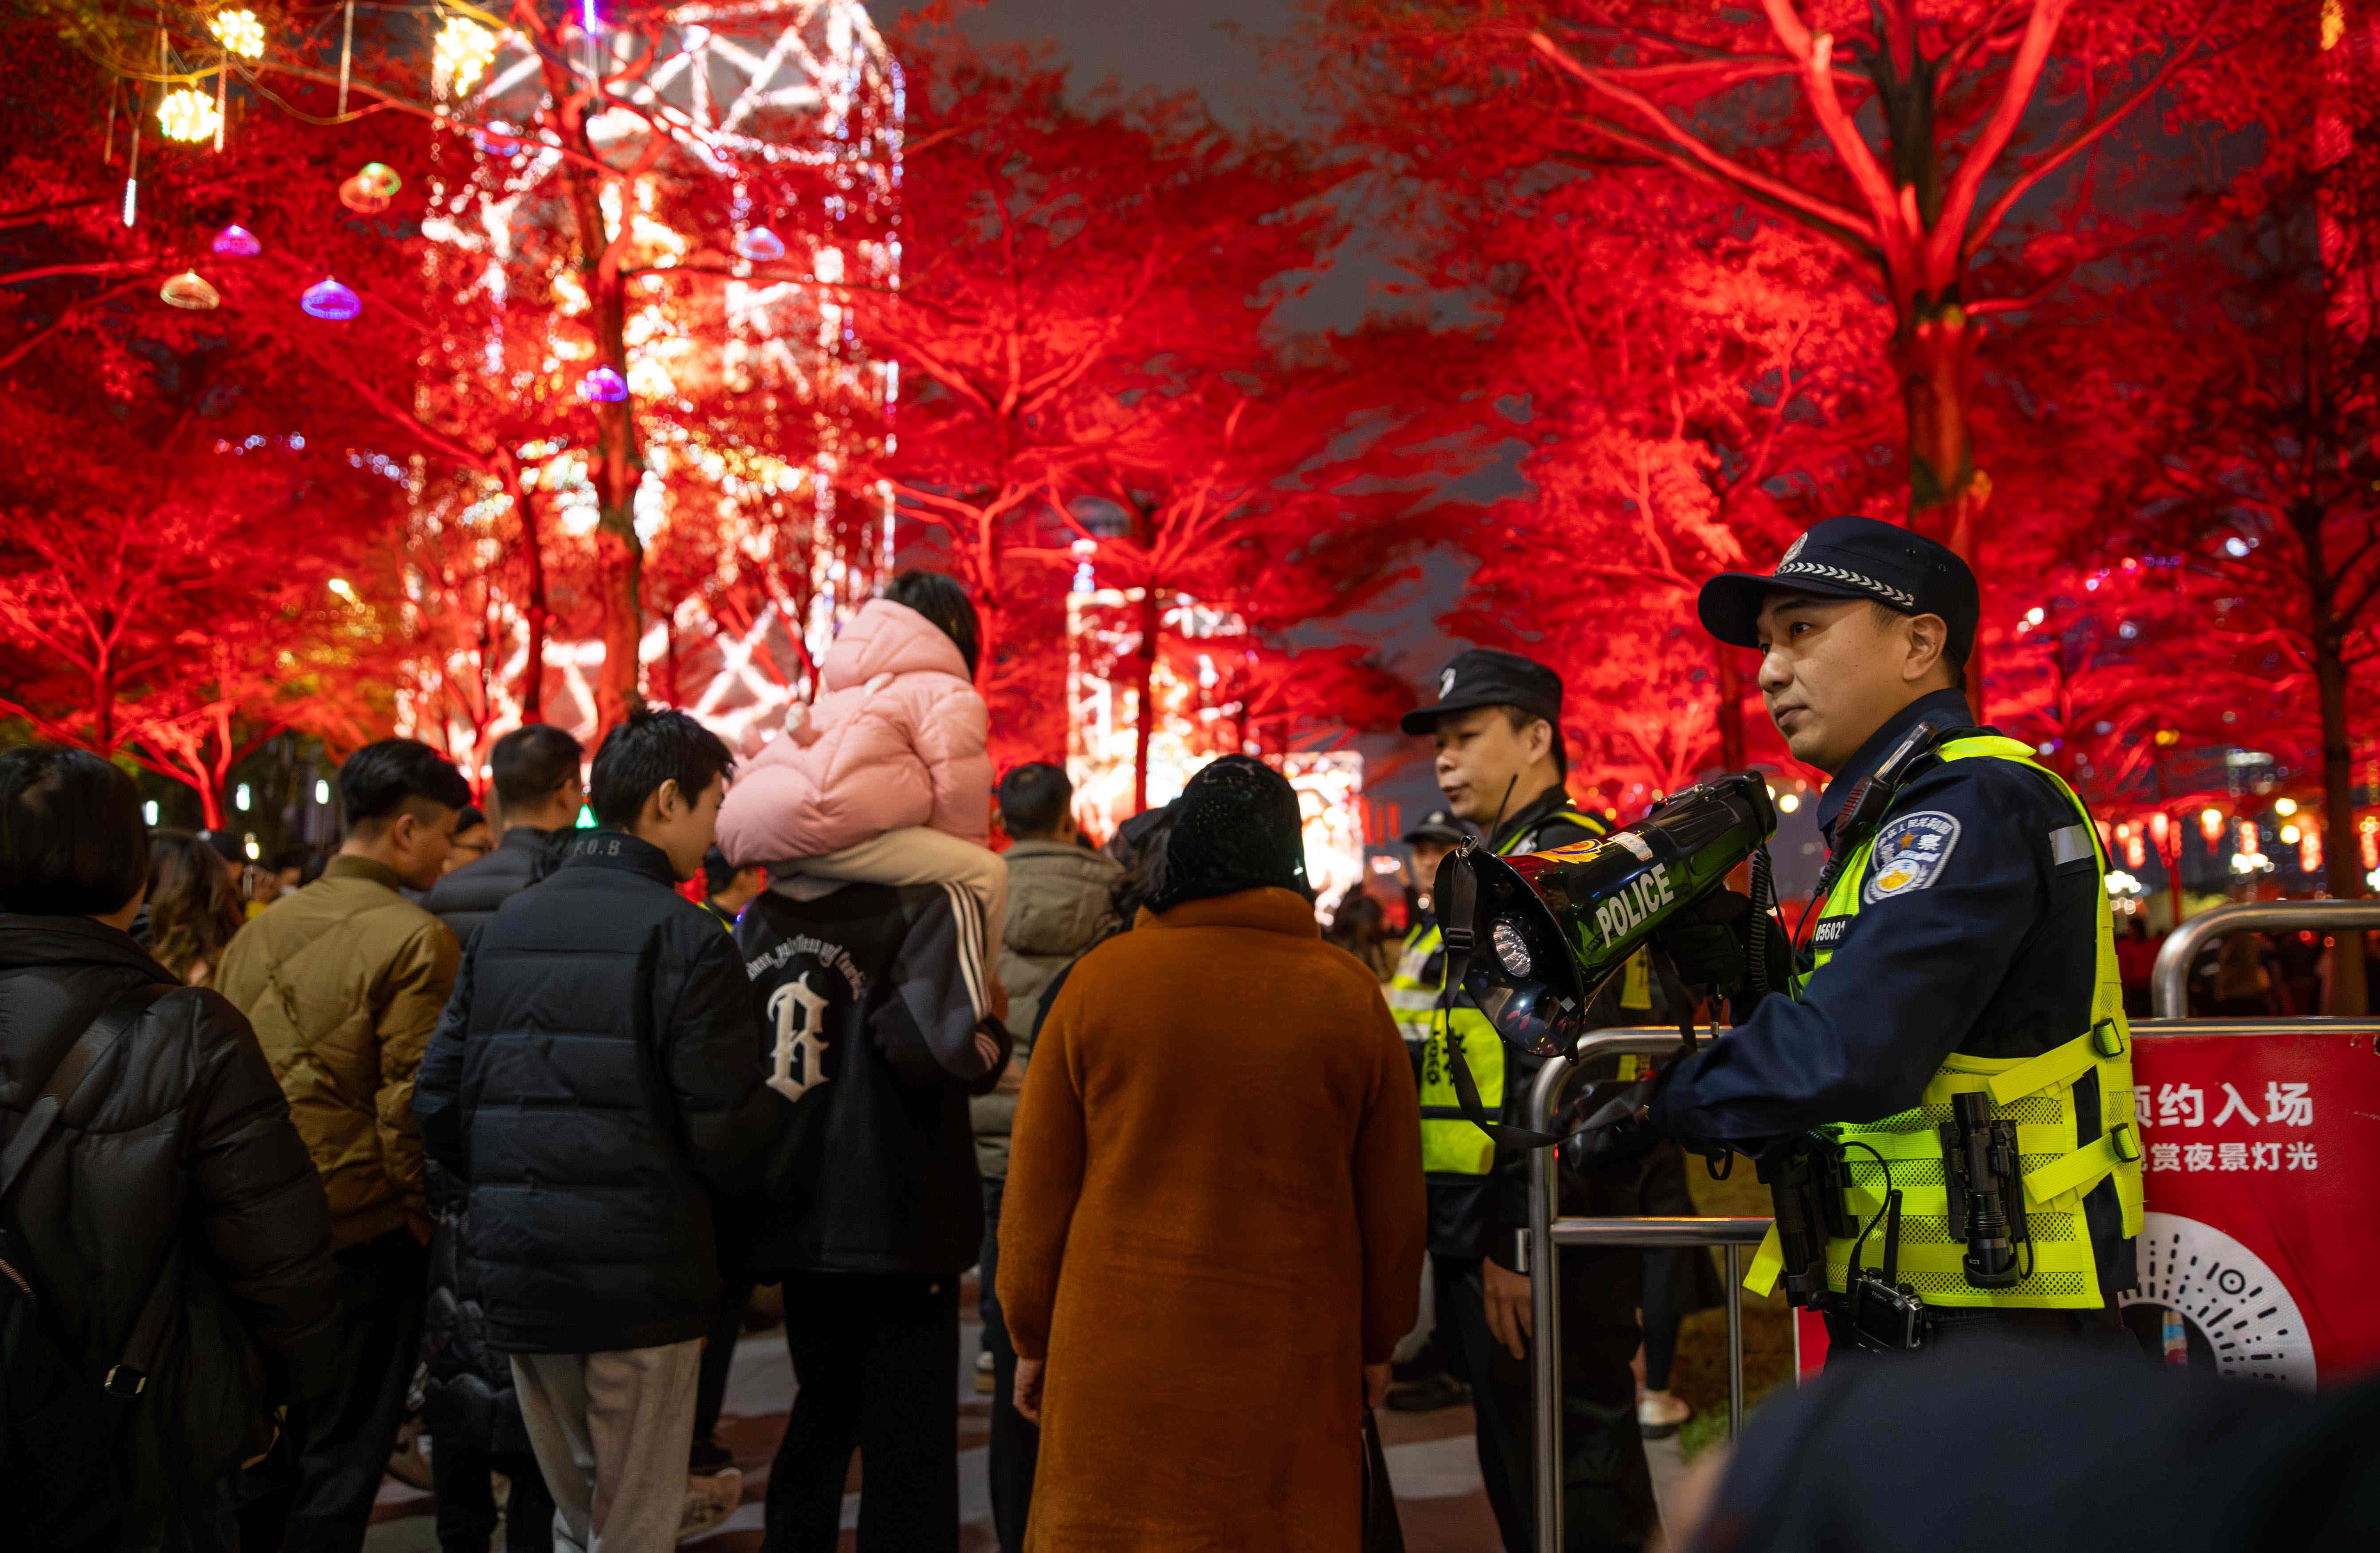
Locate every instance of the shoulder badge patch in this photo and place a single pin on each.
(1909, 851)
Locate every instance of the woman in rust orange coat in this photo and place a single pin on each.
(1214, 1229)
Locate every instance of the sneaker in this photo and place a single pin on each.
(708, 1501)
(707, 1457)
(406, 1461)
(1659, 1414)
(1429, 1395)
(983, 1377)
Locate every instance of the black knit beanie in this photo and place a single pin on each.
(1235, 827)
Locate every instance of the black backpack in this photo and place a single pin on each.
(61, 1430)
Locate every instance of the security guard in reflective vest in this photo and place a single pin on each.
(1413, 991)
(1943, 1106)
(1497, 725)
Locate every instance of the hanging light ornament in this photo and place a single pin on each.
(186, 114)
(462, 54)
(190, 290)
(236, 242)
(2310, 850)
(604, 386)
(761, 246)
(240, 32)
(369, 192)
(327, 298)
(2210, 824)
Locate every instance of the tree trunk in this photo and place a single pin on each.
(2342, 856)
(1934, 356)
(1152, 620)
(532, 699)
(1730, 707)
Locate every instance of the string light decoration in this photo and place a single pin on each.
(461, 55)
(186, 114)
(802, 94)
(240, 32)
(326, 299)
(369, 192)
(236, 242)
(190, 290)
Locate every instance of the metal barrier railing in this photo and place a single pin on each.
(2169, 981)
(1546, 1095)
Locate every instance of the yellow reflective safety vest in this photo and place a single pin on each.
(1450, 1145)
(2036, 1093)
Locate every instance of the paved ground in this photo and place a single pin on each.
(1432, 1461)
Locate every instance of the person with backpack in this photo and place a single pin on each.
(168, 1279)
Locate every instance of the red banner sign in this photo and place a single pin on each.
(2257, 1256)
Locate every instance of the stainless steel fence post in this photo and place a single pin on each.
(1545, 1093)
(2169, 981)
(1734, 1341)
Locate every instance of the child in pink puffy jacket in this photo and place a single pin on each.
(885, 777)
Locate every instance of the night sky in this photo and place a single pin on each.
(1217, 48)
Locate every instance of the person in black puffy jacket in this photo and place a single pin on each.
(174, 1157)
(538, 797)
(596, 1082)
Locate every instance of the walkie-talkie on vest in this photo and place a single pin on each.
(1979, 1165)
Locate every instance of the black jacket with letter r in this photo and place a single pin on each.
(873, 995)
(594, 1081)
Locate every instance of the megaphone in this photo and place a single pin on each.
(1544, 931)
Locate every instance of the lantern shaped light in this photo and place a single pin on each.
(2310, 849)
(2210, 825)
(2368, 830)
(190, 290)
(761, 246)
(2250, 846)
(2135, 852)
(240, 32)
(2160, 828)
(328, 299)
(461, 55)
(236, 242)
(604, 386)
(369, 192)
(185, 114)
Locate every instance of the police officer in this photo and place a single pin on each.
(1413, 989)
(1501, 765)
(1962, 987)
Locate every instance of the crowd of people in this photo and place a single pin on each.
(488, 1131)
(488, 1125)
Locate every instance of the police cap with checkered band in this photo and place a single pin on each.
(1852, 558)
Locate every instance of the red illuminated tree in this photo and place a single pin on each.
(1896, 134)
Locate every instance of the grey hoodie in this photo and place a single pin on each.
(1060, 903)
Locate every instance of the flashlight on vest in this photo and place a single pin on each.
(1979, 1161)
(1541, 933)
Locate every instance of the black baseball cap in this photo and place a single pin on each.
(1485, 677)
(1852, 558)
(1440, 826)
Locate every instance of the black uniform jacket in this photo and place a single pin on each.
(465, 899)
(1994, 954)
(1473, 1215)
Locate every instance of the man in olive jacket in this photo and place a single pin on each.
(344, 981)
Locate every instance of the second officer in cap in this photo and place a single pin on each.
(1943, 1106)
(1501, 765)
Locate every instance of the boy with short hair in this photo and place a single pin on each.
(597, 1084)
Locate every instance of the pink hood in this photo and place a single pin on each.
(895, 737)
